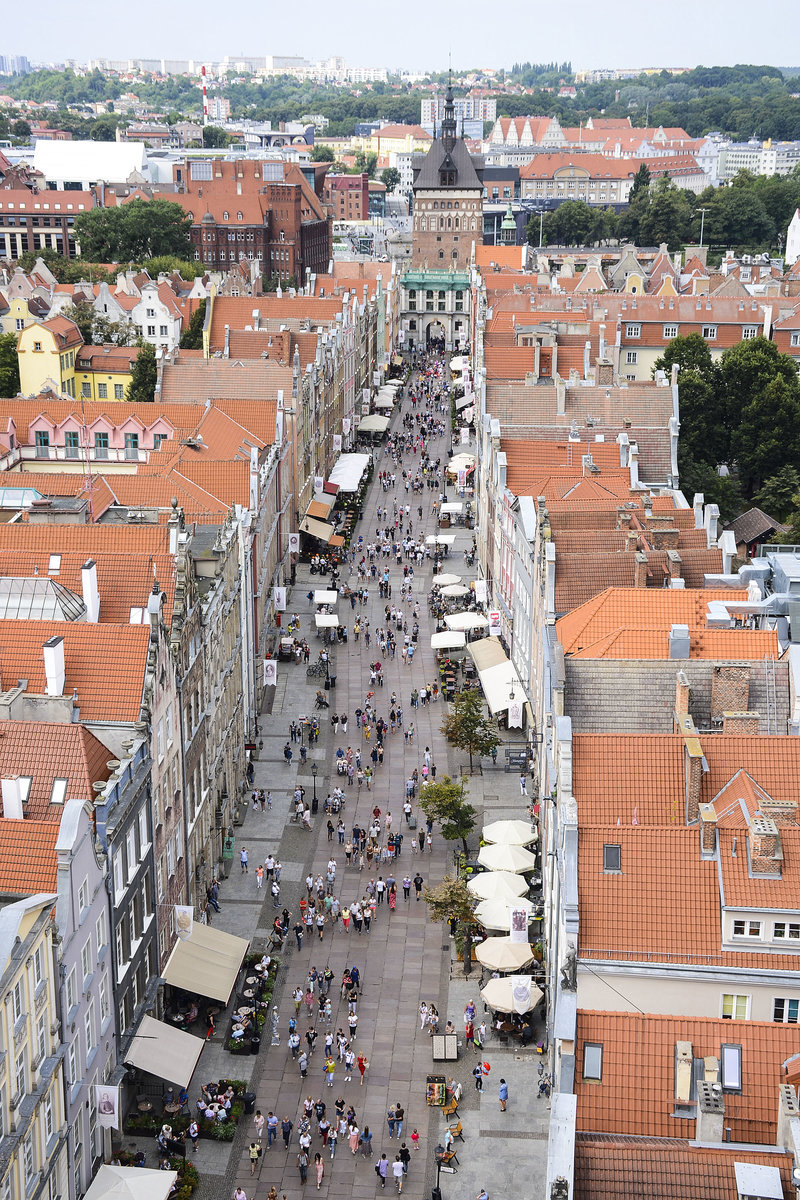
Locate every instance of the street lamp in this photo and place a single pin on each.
(703, 212)
(314, 801)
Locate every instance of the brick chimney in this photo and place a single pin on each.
(710, 1113)
(604, 373)
(675, 563)
(693, 768)
(640, 570)
(681, 694)
(730, 689)
(740, 722)
(708, 830)
(663, 538)
(766, 854)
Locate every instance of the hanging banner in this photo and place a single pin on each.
(462, 478)
(515, 714)
(518, 925)
(494, 622)
(106, 1099)
(337, 443)
(346, 424)
(365, 391)
(270, 672)
(294, 543)
(365, 409)
(279, 598)
(184, 921)
(481, 594)
(521, 992)
(464, 439)
(319, 484)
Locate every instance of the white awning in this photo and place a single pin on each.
(162, 1050)
(458, 363)
(498, 675)
(321, 530)
(374, 423)
(440, 539)
(445, 579)
(326, 620)
(466, 620)
(207, 963)
(325, 596)
(448, 640)
(454, 506)
(463, 401)
(348, 471)
(130, 1183)
(461, 462)
(384, 402)
(454, 591)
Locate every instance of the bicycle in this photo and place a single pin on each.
(315, 669)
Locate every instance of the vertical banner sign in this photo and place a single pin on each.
(464, 438)
(346, 423)
(319, 484)
(376, 378)
(337, 443)
(279, 598)
(184, 921)
(270, 672)
(462, 478)
(294, 543)
(494, 622)
(518, 924)
(106, 1099)
(365, 395)
(480, 591)
(515, 714)
(521, 992)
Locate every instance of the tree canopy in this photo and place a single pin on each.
(445, 801)
(192, 337)
(139, 230)
(9, 365)
(466, 726)
(142, 387)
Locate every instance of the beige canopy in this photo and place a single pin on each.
(325, 595)
(130, 1183)
(466, 620)
(516, 993)
(446, 579)
(506, 858)
(454, 591)
(326, 620)
(162, 1050)
(207, 963)
(510, 833)
(501, 954)
(493, 914)
(373, 424)
(448, 639)
(498, 885)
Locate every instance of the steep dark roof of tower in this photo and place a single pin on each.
(468, 167)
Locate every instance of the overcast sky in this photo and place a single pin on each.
(412, 34)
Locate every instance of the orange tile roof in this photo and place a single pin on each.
(104, 663)
(237, 311)
(716, 644)
(544, 166)
(639, 608)
(637, 1091)
(44, 751)
(28, 856)
(609, 1166)
(505, 257)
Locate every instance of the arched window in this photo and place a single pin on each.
(441, 254)
(225, 216)
(449, 223)
(456, 224)
(238, 216)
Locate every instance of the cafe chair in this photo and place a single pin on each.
(457, 1130)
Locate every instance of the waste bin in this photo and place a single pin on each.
(255, 1045)
(332, 681)
(412, 822)
(249, 1102)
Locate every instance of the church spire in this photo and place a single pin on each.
(449, 122)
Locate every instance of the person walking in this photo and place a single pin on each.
(353, 1137)
(382, 1169)
(523, 784)
(362, 1063)
(405, 1157)
(272, 1128)
(286, 1130)
(399, 1116)
(398, 1172)
(259, 1123)
(243, 859)
(390, 1119)
(418, 882)
(194, 1134)
(366, 1142)
(503, 1095)
(255, 1154)
(302, 1165)
(319, 1169)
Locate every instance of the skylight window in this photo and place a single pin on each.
(59, 792)
(54, 565)
(25, 782)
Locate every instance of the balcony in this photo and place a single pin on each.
(106, 454)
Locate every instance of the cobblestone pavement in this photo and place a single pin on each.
(403, 960)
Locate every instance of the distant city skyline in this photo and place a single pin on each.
(417, 37)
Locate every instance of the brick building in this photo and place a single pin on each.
(347, 196)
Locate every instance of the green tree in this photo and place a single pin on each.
(390, 177)
(777, 495)
(667, 217)
(142, 387)
(83, 316)
(453, 901)
(641, 181)
(768, 435)
(705, 427)
(215, 138)
(365, 162)
(192, 336)
(466, 726)
(21, 129)
(571, 224)
(321, 153)
(139, 230)
(9, 365)
(445, 801)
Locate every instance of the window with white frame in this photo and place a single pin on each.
(612, 858)
(119, 884)
(89, 1028)
(49, 1125)
(18, 1000)
(749, 332)
(750, 929)
(593, 1061)
(144, 840)
(160, 739)
(29, 1160)
(786, 1010)
(632, 357)
(120, 946)
(168, 721)
(21, 1073)
(735, 1007)
(86, 960)
(790, 930)
(83, 896)
(130, 847)
(709, 332)
(41, 1036)
(633, 331)
(100, 932)
(72, 989)
(38, 973)
(104, 1006)
(72, 1063)
(794, 340)
(670, 332)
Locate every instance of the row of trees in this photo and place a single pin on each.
(139, 230)
(751, 214)
(741, 413)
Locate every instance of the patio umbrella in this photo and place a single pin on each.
(517, 993)
(131, 1183)
(448, 640)
(446, 579)
(466, 620)
(498, 885)
(462, 461)
(501, 954)
(493, 914)
(509, 833)
(507, 858)
(454, 590)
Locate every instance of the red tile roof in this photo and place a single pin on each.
(28, 856)
(639, 608)
(45, 751)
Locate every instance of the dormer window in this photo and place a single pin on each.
(225, 216)
(239, 216)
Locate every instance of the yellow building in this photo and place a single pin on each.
(104, 372)
(46, 354)
(34, 1159)
(396, 139)
(17, 316)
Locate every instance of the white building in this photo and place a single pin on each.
(84, 165)
(793, 239)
